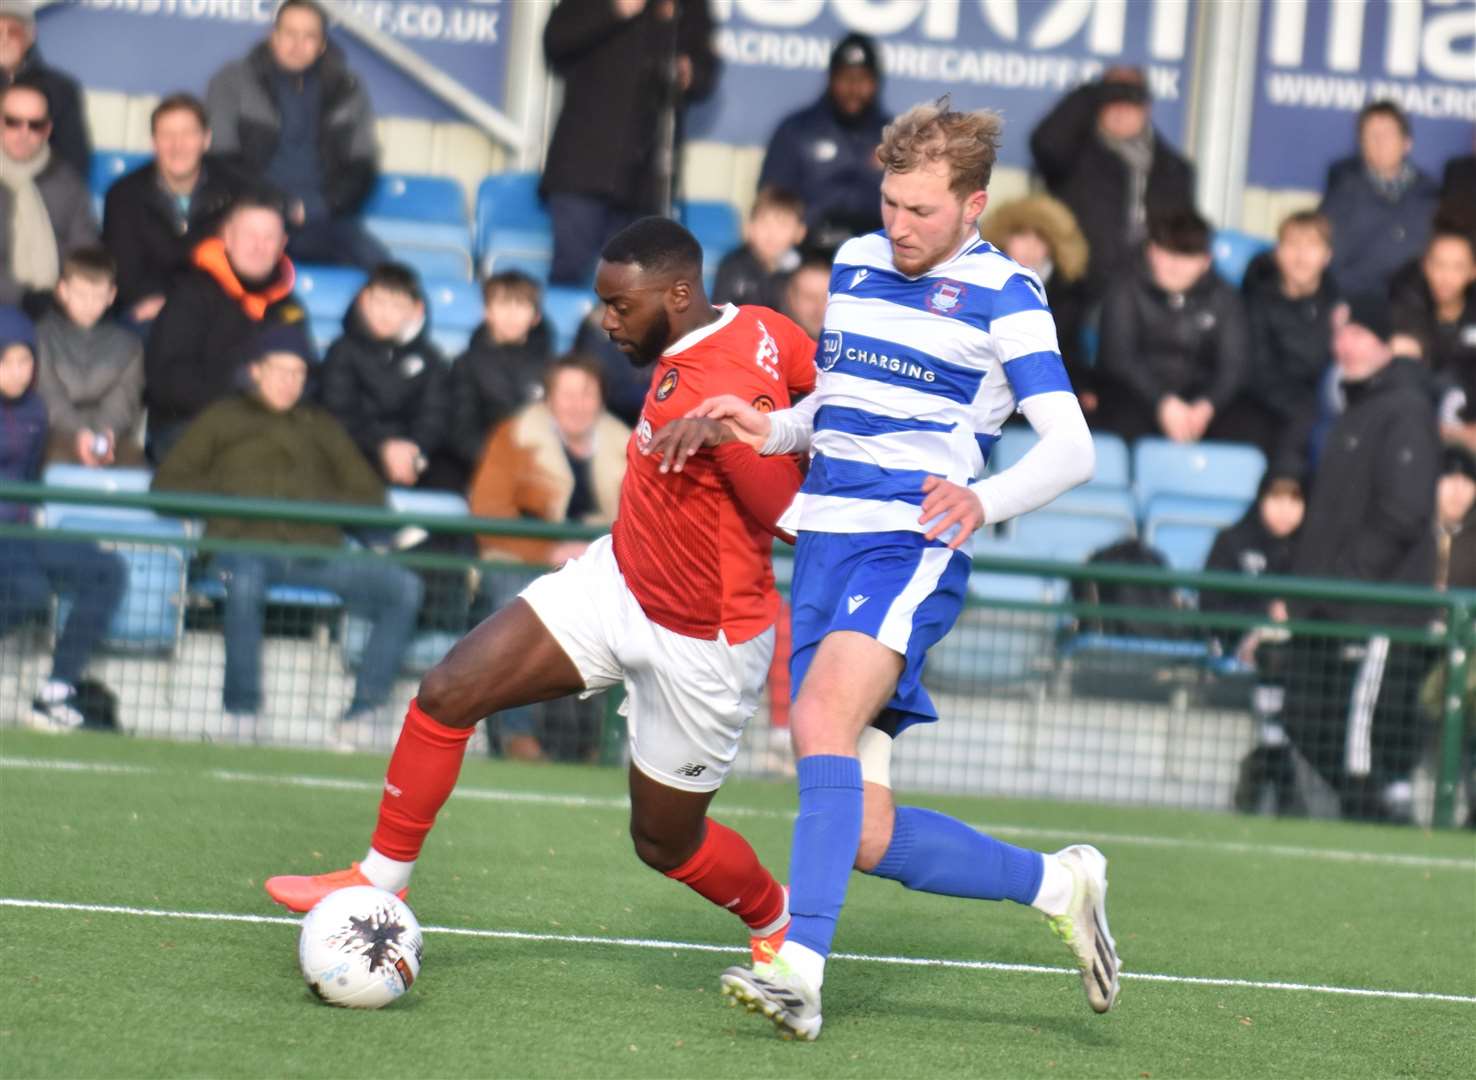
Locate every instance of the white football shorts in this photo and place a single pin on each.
(687, 699)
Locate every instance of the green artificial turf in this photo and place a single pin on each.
(193, 828)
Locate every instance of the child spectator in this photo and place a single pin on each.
(807, 292)
(755, 273)
(1041, 233)
(1261, 542)
(31, 569)
(1289, 296)
(502, 369)
(388, 385)
(1174, 340)
(91, 369)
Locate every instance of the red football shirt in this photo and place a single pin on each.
(694, 545)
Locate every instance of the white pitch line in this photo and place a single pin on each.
(694, 946)
(621, 803)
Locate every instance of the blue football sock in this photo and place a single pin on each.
(826, 836)
(932, 852)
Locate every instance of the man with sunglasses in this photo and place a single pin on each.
(20, 61)
(45, 208)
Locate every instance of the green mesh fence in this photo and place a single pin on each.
(1121, 684)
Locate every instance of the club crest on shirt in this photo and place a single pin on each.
(945, 297)
(830, 350)
(412, 366)
(667, 384)
(764, 403)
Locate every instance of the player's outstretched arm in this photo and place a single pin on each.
(787, 431)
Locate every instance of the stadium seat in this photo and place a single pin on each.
(427, 503)
(1206, 469)
(511, 221)
(454, 306)
(1097, 501)
(150, 616)
(107, 166)
(1232, 252)
(327, 291)
(1112, 469)
(1194, 510)
(718, 229)
(1186, 545)
(422, 220)
(1071, 537)
(430, 200)
(432, 262)
(324, 333)
(564, 308)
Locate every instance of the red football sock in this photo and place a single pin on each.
(726, 871)
(422, 772)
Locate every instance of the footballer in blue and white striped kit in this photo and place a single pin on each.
(932, 339)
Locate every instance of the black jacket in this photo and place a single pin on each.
(1248, 548)
(247, 124)
(829, 161)
(1290, 340)
(742, 279)
(143, 232)
(1370, 514)
(1373, 236)
(196, 348)
(68, 139)
(381, 390)
(1154, 343)
(1449, 348)
(1458, 190)
(1082, 172)
(615, 85)
(491, 382)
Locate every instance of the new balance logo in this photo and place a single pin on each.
(853, 602)
(691, 768)
(393, 791)
(858, 277)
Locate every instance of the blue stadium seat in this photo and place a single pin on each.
(564, 308)
(324, 333)
(327, 291)
(1013, 443)
(1112, 502)
(511, 220)
(1194, 510)
(452, 342)
(422, 220)
(1071, 537)
(431, 200)
(1232, 252)
(1112, 469)
(454, 305)
(431, 262)
(1206, 469)
(717, 227)
(428, 503)
(535, 264)
(150, 616)
(1184, 544)
(107, 166)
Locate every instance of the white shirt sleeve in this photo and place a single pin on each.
(792, 428)
(1063, 458)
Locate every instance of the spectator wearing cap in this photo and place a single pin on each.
(390, 387)
(629, 68)
(20, 61)
(45, 208)
(32, 569)
(156, 216)
(826, 152)
(1380, 205)
(195, 351)
(1370, 517)
(1040, 232)
(294, 116)
(1099, 153)
(268, 442)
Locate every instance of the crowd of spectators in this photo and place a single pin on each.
(1347, 353)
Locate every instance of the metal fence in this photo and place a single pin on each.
(1093, 682)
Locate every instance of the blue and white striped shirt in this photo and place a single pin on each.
(917, 376)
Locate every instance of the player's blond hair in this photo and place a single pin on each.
(967, 141)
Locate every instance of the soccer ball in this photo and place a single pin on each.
(359, 948)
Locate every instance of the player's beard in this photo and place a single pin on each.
(650, 347)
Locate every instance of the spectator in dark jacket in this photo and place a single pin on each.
(503, 368)
(1458, 191)
(628, 68)
(1098, 152)
(20, 61)
(755, 272)
(1370, 518)
(1174, 345)
(807, 292)
(295, 117)
(1379, 203)
(1040, 232)
(91, 369)
(31, 569)
(389, 386)
(51, 210)
(1455, 520)
(196, 348)
(826, 152)
(1289, 296)
(1434, 302)
(157, 215)
(269, 443)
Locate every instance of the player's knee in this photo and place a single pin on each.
(443, 697)
(661, 853)
(872, 849)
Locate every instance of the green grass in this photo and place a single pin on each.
(96, 994)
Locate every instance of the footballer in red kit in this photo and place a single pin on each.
(678, 604)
